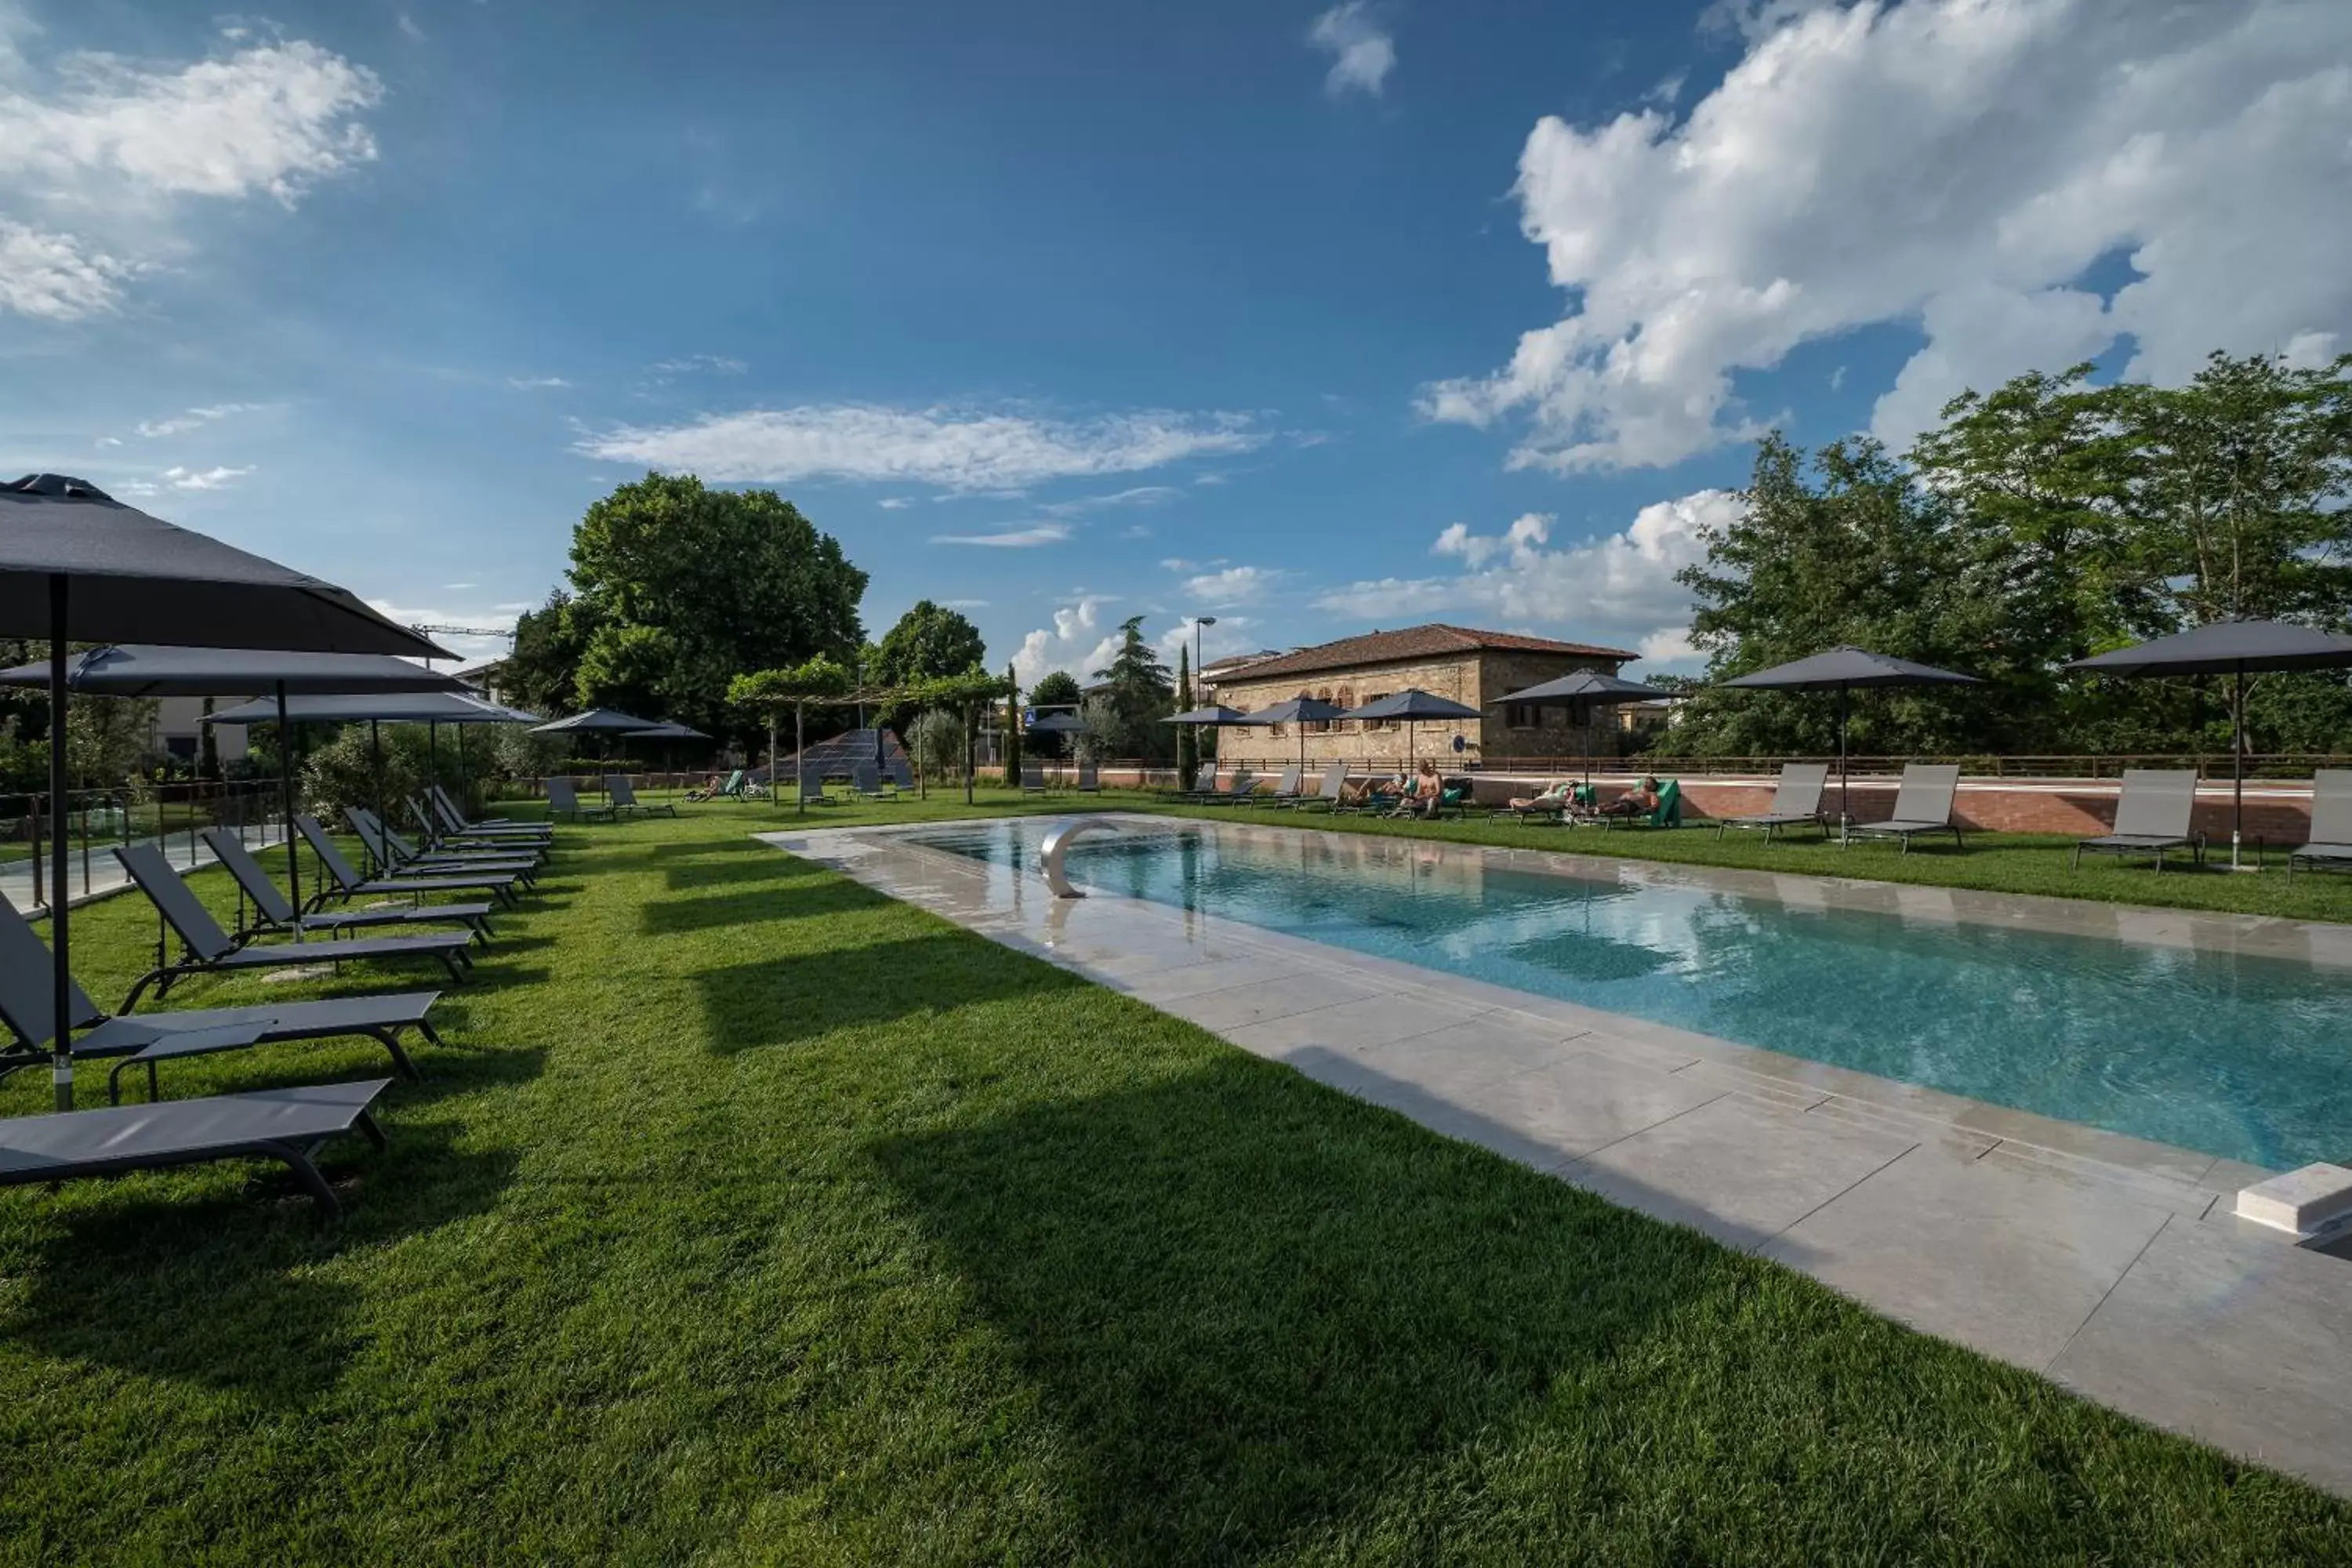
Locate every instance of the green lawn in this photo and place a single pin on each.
(752, 1218)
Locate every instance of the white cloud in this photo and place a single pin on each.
(457, 587)
(1956, 164)
(1073, 642)
(535, 383)
(56, 276)
(1012, 539)
(494, 623)
(180, 479)
(955, 449)
(1618, 589)
(1233, 585)
(894, 503)
(965, 603)
(196, 418)
(1362, 50)
(408, 25)
(108, 149)
(1136, 495)
(700, 365)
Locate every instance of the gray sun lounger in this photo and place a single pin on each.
(455, 820)
(1327, 791)
(867, 780)
(274, 911)
(350, 883)
(1287, 791)
(2330, 841)
(441, 836)
(1033, 778)
(1923, 804)
(565, 801)
(624, 796)
(154, 1038)
(397, 857)
(2152, 815)
(1796, 801)
(284, 1124)
(208, 950)
(1090, 778)
(1244, 784)
(1204, 784)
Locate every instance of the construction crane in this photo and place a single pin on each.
(505, 634)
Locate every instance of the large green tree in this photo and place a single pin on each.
(1057, 691)
(928, 641)
(1141, 693)
(680, 587)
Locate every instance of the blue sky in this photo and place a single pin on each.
(1311, 318)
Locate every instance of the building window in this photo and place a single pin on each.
(1320, 726)
(1370, 724)
(1274, 731)
(1521, 715)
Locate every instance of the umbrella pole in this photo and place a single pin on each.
(285, 799)
(2237, 763)
(375, 758)
(432, 755)
(1844, 815)
(61, 963)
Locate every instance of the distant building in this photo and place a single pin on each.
(1474, 668)
(179, 731)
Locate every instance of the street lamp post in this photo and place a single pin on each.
(1199, 686)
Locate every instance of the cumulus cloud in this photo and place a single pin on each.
(108, 151)
(1956, 164)
(894, 503)
(1233, 585)
(1618, 589)
(215, 479)
(1362, 50)
(1075, 643)
(180, 424)
(1010, 539)
(955, 449)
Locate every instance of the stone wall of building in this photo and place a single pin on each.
(1478, 679)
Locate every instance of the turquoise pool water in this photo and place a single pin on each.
(2250, 1059)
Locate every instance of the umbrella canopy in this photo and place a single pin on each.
(1583, 690)
(2237, 649)
(1301, 711)
(596, 719)
(392, 708)
(1414, 704)
(140, 669)
(129, 575)
(77, 565)
(1214, 716)
(1842, 669)
(669, 730)
(1059, 724)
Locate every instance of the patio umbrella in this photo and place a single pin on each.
(142, 669)
(430, 709)
(2236, 649)
(1583, 690)
(668, 732)
(595, 720)
(1844, 669)
(77, 565)
(1301, 711)
(1211, 717)
(1412, 705)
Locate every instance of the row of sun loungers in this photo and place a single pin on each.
(456, 856)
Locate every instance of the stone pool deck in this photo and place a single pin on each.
(2108, 1263)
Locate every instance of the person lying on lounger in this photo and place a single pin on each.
(1639, 801)
(1552, 799)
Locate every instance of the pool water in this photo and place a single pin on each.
(2245, 1057)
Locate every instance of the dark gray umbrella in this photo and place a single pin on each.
(1059, 724)
(668, 730)
(2236, 649)
(601, 719)
(430, 709)
(1214, 716)
(1583, 690)
(1844, 669)
(1412, 705)
(77, 565)
(1301, 711)
(142, 669)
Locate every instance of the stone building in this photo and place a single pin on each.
(1473, 668)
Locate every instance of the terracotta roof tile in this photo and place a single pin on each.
(1433, 641)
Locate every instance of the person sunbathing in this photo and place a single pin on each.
(1552, 799)
(1427, 790)
(1639, 801)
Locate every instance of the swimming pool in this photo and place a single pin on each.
(2241, 1057)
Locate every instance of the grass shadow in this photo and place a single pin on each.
(802, 996)
(803, 898)
(209, 1275)
(1251, 1309)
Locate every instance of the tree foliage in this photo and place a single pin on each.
(928, 641)
(1141, 693)
(1057, 691)
(677, 589)
(2046, 520)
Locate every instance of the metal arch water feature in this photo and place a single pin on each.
(1049, 854)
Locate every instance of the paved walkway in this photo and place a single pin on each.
(2108, 1263)
(97, 874)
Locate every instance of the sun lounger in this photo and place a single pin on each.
(274, 911)
(283, 1124)
(732, 789)
(1244, 784)
(562, 800)
(812, 789)
(2330, 839)
(901, 770)
(2152, 815)
(624, 796)
(208, 950)
(154, 1038)
(1033, 778)
(438, 838)
(1287, 791)
(398, 856)
(865, 779)
(1796, 801)
(1667, 813)
(1922, 805)
(1327, 793)
(350, 883)
(1090, 778)
(1204, 784)
(457, 823)
(1548, 806)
